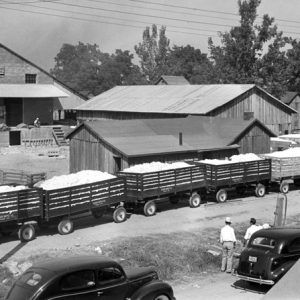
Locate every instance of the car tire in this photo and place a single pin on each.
(119, 214)
(260, 190)
(195, 200)
(221, 196)
(65, 226)
(284, 187)
(26, 233)
(150, 208)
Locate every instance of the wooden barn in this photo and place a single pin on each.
(176, 101)
(27, 91)
(292, 99)
(112, 145)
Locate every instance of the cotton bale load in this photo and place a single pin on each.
(149, 183)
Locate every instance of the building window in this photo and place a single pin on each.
(30, 78)
(2, 71)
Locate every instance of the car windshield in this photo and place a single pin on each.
(262, 241)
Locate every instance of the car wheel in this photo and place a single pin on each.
(221, 196)
(65, 226)
(26, 233)
(195, 200)
(150, 208)
(260, 190)
(161, 297)
(284, 187)
(119, 214)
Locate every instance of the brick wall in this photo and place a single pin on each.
(16, 68)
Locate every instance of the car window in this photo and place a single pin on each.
(263, 242)
(294, 246)
(109, 275)
(78, 280)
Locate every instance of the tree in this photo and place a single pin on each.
(153, 52)
(293, 68)
(85, 68)
(251, 54)
(190, 63)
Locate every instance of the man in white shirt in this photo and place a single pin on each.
(228, 241)
(253, 228)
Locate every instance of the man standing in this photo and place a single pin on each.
(228, 241)
(253, 228)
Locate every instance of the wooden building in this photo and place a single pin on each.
(292, 99)
(27, 91)
(112, 145)
(237, 101)
(171, 80)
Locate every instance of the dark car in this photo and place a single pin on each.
(269, 254)
(88, 277)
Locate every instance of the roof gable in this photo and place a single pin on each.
(172, 80)
(288, 97)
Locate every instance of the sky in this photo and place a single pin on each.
(37, 29)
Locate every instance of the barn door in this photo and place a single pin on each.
(117, 164)
(14, 111)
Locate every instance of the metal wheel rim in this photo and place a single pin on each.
(222, 197)
(261, 191)
(285, 188)
(66, 227)
(196, 201)
(162, 297)
(27, 233)
(151, 209)
(121, 215)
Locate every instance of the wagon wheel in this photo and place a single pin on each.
(195, 200)
(65, 226)
(284, 187)
(174, 199)
(26, 233)
(120, 214)
(150, 208)
(98, 213)
(221, 196)
(260, 190)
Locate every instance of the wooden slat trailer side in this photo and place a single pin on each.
(19, 177)
(20, 210)
(284, 169)
(149, 188)
(61, 205)
(239, 175)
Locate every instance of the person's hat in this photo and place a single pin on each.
(227, 220)
(253, 220)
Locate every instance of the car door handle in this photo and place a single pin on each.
(99, 293)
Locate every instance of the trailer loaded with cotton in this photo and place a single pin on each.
(148, 184)
(58, 201)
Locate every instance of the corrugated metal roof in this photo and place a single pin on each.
(173, 80)
(30, 91)
(155, 136)
(288, 97)
(181, 99)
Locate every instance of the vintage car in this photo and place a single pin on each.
(269, 254)
(88, 277)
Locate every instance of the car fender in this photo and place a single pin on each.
(282, 269)
(148, 291)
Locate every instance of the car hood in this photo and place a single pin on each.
(138, 273)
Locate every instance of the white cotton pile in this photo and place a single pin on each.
(156, 166)
(232, 159)
(82, 177)
(277, 139)
(8, 188)
(290, 136)
(291, 152)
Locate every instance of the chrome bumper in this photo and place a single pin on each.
(256, 280)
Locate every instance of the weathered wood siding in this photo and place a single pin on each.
(296, 117)
(269, 112)
(88, 152)
(254, 140)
